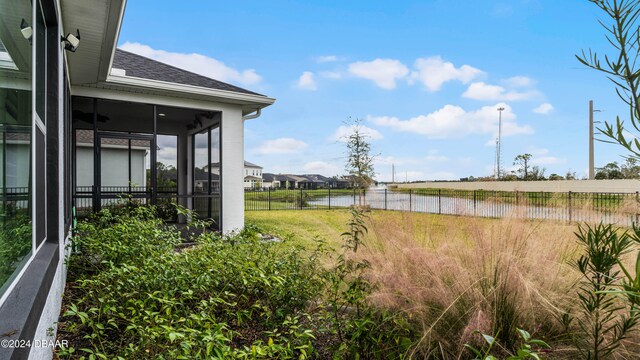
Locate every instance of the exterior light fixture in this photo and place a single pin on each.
(26, 30)
(71, 41)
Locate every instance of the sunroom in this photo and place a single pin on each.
(147, 133)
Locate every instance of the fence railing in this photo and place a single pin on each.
(87, 201)
(620, 208)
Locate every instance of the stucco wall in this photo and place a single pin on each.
(615, 186)
(114, 166)
(17, 155)
(232, 127)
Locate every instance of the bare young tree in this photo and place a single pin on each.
(360, 161)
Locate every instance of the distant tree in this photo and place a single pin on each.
(610, 171)
(555, 176)
(570, 175)
(359, 158)
(630, 169)
(537, 173)
(522, 161)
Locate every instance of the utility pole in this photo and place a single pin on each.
(591, 167)
(591, 170)
(500, 109)
(393, 173)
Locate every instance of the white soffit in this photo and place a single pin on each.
(99, 24)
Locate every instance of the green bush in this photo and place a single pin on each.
(133, 295)
(15, 244)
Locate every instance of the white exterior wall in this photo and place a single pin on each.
(114, 166)
(84, 166)
(232, 127)
(17, 155)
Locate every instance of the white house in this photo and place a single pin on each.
(58, 87)
(252, 173)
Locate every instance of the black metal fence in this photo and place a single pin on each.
(620, 208)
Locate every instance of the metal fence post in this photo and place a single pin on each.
(474, 202)
(409, 200)
(569, 206)
(329, 198)
(269, 198)
(637, 199)
(439, 201)
(385, 199)
(300, 198)
(354, 196)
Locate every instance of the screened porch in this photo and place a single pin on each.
(130, 152)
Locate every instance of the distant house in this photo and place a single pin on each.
(252, 173)
(313, 181)
(202, 184)
(270, 180)
(307, 181)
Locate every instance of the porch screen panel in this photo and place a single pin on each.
(167, 176)
(201, 174)
(16, 114)
(83, 170)
(124, 170)
(216, 175)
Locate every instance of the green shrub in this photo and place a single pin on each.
(606, 320)
(132, 295)
(15, 244)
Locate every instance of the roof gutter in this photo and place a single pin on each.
(253, 115)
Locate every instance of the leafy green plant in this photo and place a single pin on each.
(528, 348)
(606, 321)
(132, 295)
(15, 244)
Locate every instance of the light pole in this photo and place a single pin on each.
(500, 109)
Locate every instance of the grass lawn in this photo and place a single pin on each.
(305, 226)
(308, 225)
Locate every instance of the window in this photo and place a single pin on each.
(15, 141)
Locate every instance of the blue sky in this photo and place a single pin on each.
(426, 77)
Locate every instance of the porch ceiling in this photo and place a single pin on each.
(99, 25)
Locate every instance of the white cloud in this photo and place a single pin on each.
(433, 72)
(307, 81)
(383, 72)
(322, 167)
(436, 158)
(280, 146)
(454, 122)
(343, 132)
(326, 59)
(483, 91)
(547, 160)
(392, 160)
(543, 109)
(331, 74)
(519, 81)
(197, 63)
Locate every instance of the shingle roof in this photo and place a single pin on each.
(246, 164)
(139, 66)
